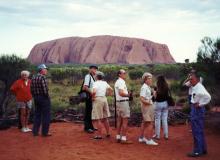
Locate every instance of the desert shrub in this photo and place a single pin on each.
(136, 74)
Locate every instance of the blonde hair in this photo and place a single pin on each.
(27, 73)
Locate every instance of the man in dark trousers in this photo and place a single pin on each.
(87, 86)
(39, 90)
(200, 97)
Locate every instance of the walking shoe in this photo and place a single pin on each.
(151, 142)
(97, 137)
(24, 130)
(28, 129)
(156, 137)
(142, 140)
(108, 136)
(194, 154)
(89, 131)
(126, 142)
(166, 138)
(47, 135)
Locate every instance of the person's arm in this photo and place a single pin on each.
(86, 84)
(145, 101)
(203, 99)
(13, 88)
(123, 94)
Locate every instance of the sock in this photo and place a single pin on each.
(118, 136)
(123, 138)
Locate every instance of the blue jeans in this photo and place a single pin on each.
(41, 115)
(197, 124)
(161, 113)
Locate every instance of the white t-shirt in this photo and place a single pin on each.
(200, 95)
(146, 92)
(87, 80)
(120, 84)
(101, 87)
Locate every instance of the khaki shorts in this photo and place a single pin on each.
(123, 109)
(100, 108)
(147, 112)
(27, 104)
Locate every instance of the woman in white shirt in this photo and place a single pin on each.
(147, 109)
(100, 111)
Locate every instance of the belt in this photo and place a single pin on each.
(123, 100)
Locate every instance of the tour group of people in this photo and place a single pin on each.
(154, 106)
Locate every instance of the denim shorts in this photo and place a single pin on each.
(27, 104)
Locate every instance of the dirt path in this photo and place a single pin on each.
(69, 142)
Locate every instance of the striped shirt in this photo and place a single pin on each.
(39, 85)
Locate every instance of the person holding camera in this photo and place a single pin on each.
(147, 109)
(123, 110)
(87, 87)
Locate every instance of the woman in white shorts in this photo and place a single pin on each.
(100, 110)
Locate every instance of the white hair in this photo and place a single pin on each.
(147, 75)
(27, 73)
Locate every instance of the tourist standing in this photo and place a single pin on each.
(100, 110)
(200, 97)
(147, 109)
(87, 87)
(123, 110)
(22, 91)
(39, 89)
(161, 95)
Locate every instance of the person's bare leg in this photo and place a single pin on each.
(119, 125)
(98, 125)
(143, 126)
(149, 128)
(106, 125)
(23, 117)
(27, 117)
(124, 126)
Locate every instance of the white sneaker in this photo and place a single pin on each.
(24, 130)
(151, 142)
(28, 129)
(142, 140)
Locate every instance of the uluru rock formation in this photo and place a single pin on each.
(100, 50)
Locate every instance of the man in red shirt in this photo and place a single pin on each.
(21, 89)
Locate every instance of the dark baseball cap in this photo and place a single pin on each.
(93, 66)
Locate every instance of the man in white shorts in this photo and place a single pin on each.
(123, 109)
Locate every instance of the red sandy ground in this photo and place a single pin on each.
(69, 142)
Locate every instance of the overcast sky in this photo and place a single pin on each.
(180, 24)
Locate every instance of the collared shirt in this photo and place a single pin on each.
(100, 87)
(89, 81)
(120, 85)
(22, 90)
(39, 85)
(188, 84)
(146, 92)
(200, 95)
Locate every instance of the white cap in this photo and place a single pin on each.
(41, 66)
